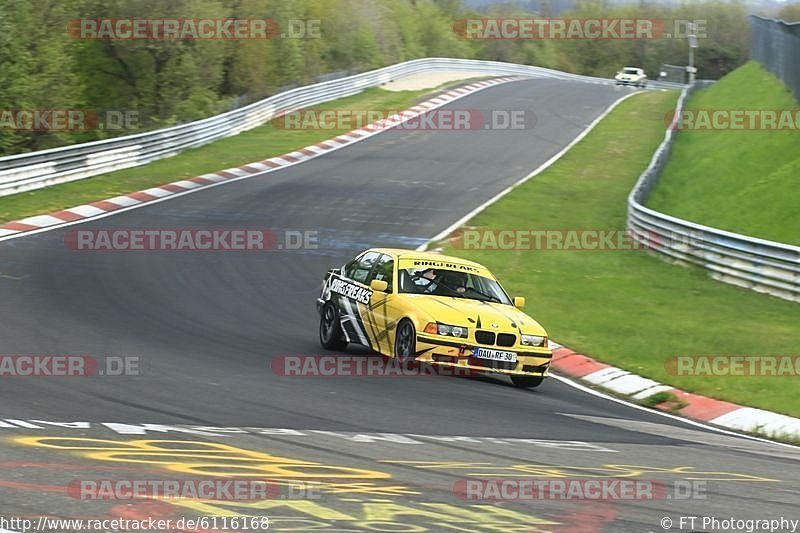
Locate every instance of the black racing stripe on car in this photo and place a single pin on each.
(372, 333)
(360, 321)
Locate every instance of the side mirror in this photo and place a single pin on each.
(378, 285)
(519, 302)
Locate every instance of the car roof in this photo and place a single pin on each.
(401, 253)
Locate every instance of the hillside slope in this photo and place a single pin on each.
(746, 181)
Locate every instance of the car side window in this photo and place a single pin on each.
(384, 270)
(361, 270)
(350, 267)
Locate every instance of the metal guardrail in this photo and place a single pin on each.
(47, 167)
(757, 264)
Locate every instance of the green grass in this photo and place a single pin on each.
(254, 145)
(746, 181)
(632, 309)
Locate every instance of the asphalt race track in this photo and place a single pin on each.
(208, 330)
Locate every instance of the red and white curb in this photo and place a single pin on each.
(702, 408)
(106, 207)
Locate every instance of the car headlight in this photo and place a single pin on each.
(444, 329)
(533, 340)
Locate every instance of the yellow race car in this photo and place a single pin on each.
(434, 309)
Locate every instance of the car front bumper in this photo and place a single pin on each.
(435, 350)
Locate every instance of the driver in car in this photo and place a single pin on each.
(455, 281)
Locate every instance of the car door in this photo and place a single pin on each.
(352, 292)
(382, 314)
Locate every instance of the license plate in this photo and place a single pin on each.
(496, 355)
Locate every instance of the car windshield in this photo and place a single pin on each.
(630, 71)
(442, 282)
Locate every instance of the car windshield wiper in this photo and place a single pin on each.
(485, 295)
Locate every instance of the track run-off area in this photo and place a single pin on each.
(201, 398)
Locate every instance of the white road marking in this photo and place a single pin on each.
(348, 436)
(541, 168)
(656, 412)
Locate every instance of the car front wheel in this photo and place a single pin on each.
(330, 330)
(405, 342)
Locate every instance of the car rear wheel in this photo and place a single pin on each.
(330, 330)
(405, 342)
(526, 382)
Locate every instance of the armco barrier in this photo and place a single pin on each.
(39, 169)
(757, 264)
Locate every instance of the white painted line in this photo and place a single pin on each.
(262, 167)
(312, 148)
(186, 184)
(236, 171)
(600, 377)
(630, 384)
(279, 161)
(213, 177)
(158, 192)
(646, 393)
(123, 201)
(656, 412)
(463, 220)
(751, 419)
(87, 210)
(41, 221)
(4, 232)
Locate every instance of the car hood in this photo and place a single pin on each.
(475, 314)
